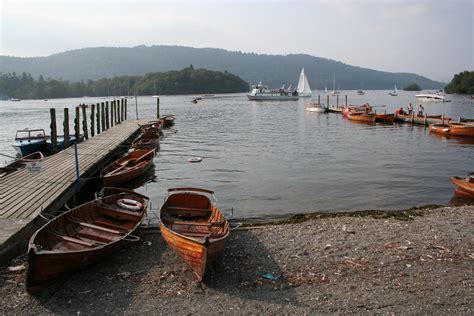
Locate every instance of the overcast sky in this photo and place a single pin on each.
(431, 38)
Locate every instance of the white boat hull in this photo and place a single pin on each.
(272, 97)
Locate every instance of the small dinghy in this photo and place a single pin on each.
(20, 163)
(193, 227)
(315, 107)
(147, 141)
(464, 186)
(82, 236)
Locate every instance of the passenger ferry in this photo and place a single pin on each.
(261, 92)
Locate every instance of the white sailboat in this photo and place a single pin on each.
(304, 90)
(394, 93)
(326, 89)
(334, 91)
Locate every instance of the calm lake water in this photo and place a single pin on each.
(274, 158)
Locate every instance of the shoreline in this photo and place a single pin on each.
(420, 264)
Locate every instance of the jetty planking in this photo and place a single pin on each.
(24, 195)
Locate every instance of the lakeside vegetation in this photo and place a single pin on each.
(185, 81)
(412, 87)
(462, 83)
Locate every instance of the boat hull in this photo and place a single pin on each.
(420, 120)
(27, 147)
(463, 186)
(272, 97)
(361, 117)
(128, 167)
(455, 129)
(81, 237)
(194, 228)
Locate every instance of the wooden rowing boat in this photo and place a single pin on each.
(384, 118)
(193, 227)
(168, 120)
(456, 129)
(20, 163)
(147, 141)
(82, 236)
(152, 128)
(361, 117)
(365, 108)
(464, 186)
(128, 167)
(466, 120)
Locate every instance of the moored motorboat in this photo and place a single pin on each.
(20, 163)
(466, 120)
(464, 186)
(457, 129)
(168, 120)
(194, 227)
(28, 141)
(316, 107)
(128, 167)
(82, 236)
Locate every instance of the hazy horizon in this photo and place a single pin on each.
(430, 38)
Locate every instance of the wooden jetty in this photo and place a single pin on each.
(26, 195)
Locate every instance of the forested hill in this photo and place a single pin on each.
(186, 81)
(273, 70)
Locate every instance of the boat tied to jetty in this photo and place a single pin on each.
(83, 235)
(261, 92)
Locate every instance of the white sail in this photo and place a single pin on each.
(304, 90)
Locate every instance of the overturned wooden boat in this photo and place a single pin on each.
(193, 227)
(147, 141)
(128, 167)
(82, 236)
(464, 186)
(456, 129)
(20, 163)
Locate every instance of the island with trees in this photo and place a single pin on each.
(185, 81)
(462, 83)
(412, 87)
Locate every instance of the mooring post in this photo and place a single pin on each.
(346, 100)
(327, 101)
(66, 128)
(122, 109)
(54, 132)
(412, 117)
(97, 117)
(102, 118)
(158, 107)
(126, 109)
(425, 120)
(107, 117)
(92, 120)
(112, 114)
(337, 101)
(84, 122)
(77, 125)
(76, 158)
(319, 98)
(136, 106)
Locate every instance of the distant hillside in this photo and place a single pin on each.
(273, 70)
(186, 81)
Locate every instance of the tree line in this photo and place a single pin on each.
(185, 81)
(462, 83)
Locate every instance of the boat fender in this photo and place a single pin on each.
(130, 204)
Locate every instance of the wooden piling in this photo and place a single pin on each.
(77, 125)
(84, 122)
(346, 100)
(442, 119)
(98, 119)
(54, 132)
(107, 117)
(424, 120)
(327, 104)
(158, 107)
(126, 109)
(412, 117)
(337, 101)
(319, 99)
(92, 120)
(112, 114)
(122, 109)
(103, 115)
(66, 128)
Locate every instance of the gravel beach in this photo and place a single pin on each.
(420, 262)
